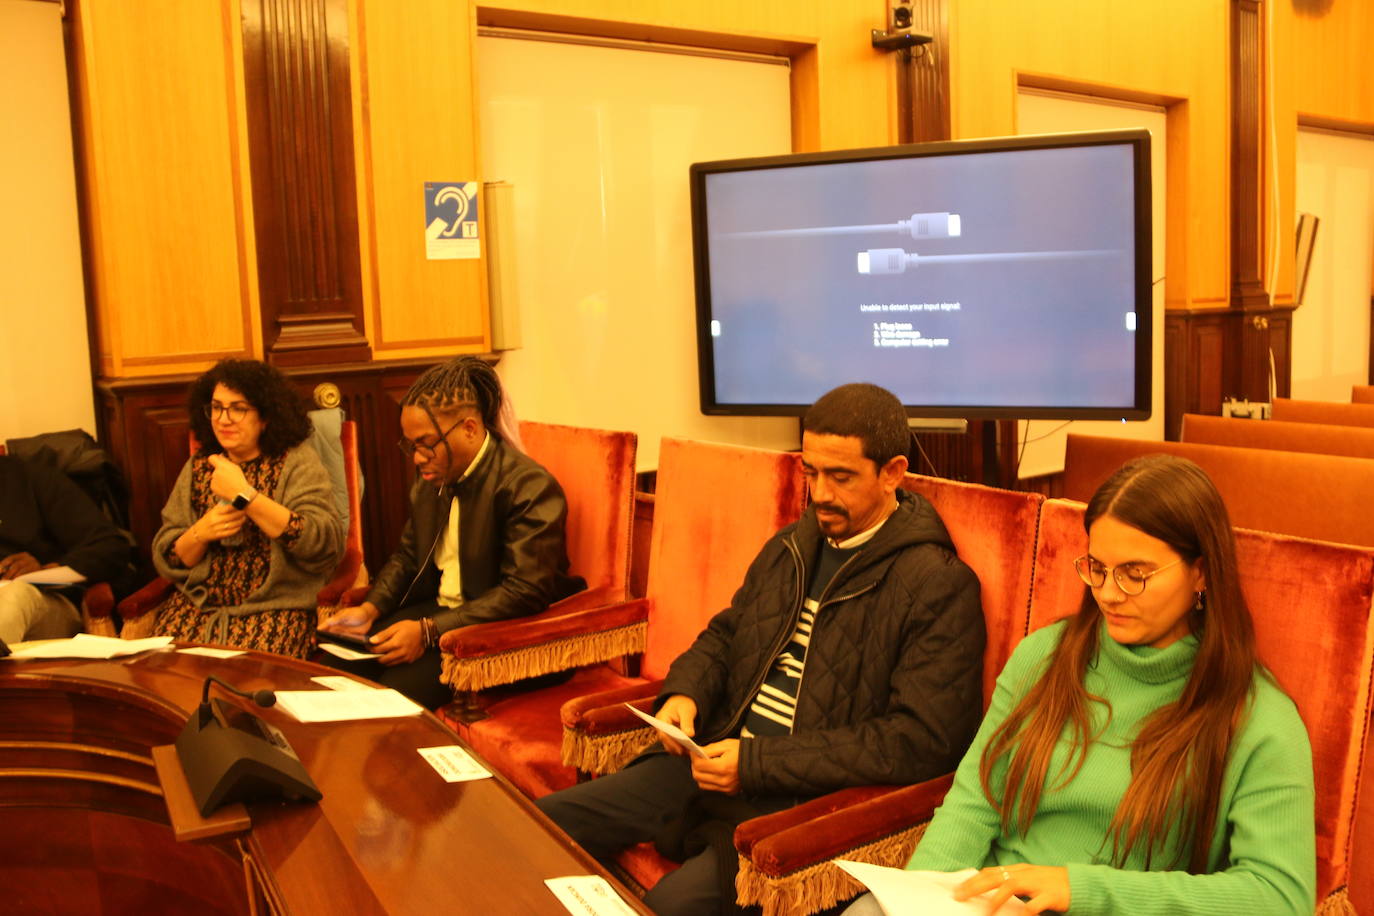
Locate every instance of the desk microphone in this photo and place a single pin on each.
(230, 755)
(205, 713)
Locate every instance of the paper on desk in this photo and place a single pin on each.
(57, 575)
(345, 653)
(343, 705)
(672, 731)
(84, 645)
(588, 895)
(453, 763)
(923, 893)
(341, 682)
(210, 652)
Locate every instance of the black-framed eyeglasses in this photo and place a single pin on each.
(235, 412)
(1130, 578)
(427, 452)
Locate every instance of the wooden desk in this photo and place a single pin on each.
(389, 835)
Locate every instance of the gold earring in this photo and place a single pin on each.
(1197, 605)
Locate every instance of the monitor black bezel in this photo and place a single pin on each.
(1137, 139)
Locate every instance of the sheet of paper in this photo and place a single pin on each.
(672, 731)
(588, 895)
(343, 705)
(58, 575)
(341, 682)
(84, 645)
(923, 893)
(211, 653)
(345, 653)
(454, 763)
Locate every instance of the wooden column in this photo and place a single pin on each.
(1260, 327)
(929, 72)
(1214, 354)
(300, 127)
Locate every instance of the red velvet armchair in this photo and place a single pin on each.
(1321, 657)
(714, 508)
(135, 610)
(785, 858)
(596, 469)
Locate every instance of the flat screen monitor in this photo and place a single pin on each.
(996, 278)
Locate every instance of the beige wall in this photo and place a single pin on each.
(45, 372)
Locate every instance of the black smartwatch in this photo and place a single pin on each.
(243, 499)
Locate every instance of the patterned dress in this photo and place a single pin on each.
(237, 569)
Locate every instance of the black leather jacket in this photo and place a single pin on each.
(892, 689)
(514, 562)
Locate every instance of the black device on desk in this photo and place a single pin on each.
(230, 755)
(351, 640)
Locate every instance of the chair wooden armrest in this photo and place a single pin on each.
(600, 735)
(785, 858)
(580, 630)
(136, 611)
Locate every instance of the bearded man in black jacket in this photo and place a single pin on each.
(851, 655)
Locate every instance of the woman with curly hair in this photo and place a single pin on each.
(250, 532)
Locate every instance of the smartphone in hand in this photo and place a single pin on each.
(352, 640)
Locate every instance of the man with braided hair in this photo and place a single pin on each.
(485, 536)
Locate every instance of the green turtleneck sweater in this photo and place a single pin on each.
(1263, 854)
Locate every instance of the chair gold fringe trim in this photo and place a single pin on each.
(821, 886)
(560, 655)
(97, 626)
(140, 627)
(1336, 903)
(604, 753)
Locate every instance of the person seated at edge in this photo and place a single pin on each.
(46, 520)
(251, 532)
(851, 655)
(485, 537)
(1162, 769)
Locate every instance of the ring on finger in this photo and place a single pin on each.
(1006, 875)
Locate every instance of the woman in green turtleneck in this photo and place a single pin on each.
(1161, 769)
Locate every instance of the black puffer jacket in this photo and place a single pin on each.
(891, 693)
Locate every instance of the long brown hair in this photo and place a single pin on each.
(1179, 757)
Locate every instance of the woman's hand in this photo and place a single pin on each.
(222, 521)
(227, 481)
(1045, 887)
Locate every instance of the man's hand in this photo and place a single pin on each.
(353, 620)
(18, 564)
(399, 643)
(681, 711)
(1045, 886)
(227, 481)
(719, 772)
(221, 521)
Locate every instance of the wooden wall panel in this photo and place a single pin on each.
(418, 124)
(1171, 50)
(169, 232)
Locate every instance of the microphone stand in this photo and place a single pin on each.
(230, 755)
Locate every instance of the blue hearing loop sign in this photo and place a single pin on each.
(451, 226)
